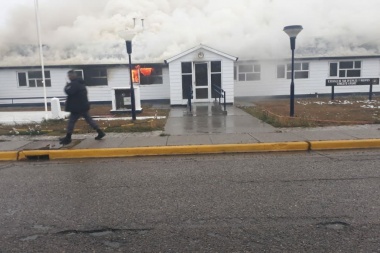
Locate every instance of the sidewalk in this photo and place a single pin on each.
(205, 127)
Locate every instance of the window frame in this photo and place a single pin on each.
(48, 82)
(339, 69)
(88, 76)
(154, 66)
(288, 70)
(246, 73)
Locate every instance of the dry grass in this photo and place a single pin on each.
(311, 112)
(58, 127)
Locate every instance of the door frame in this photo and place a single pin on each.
(209, 98)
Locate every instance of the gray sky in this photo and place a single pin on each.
(8, 5)
(249, 29)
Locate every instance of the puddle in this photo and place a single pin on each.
(30, 238)
(114, 245)
(101, 233)
(338, 225)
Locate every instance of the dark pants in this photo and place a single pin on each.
(74, 116)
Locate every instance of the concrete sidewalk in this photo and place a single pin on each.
(206, 125)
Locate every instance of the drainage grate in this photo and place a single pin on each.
(38, 158)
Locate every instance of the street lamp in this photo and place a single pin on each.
(292, 31)
(128, 35)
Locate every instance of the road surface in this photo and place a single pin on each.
(293, 202)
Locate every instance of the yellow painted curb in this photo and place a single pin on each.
(8, 156)
(345, 144)
(166, 150)
(191, 150)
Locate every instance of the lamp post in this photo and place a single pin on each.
(128, 36)
(292, 31)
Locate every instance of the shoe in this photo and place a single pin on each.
(101, 134)
(65, 141)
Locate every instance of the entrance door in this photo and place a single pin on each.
(201, 87)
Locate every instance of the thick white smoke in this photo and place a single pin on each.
(86, 31)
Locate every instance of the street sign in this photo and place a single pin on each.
(352, 82)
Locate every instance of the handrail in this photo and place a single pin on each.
(222, 94)
(189, 97)
(27, 98)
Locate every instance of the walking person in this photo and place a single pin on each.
(78, 106)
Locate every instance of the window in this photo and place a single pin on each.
(94, 76)
(216, 77)
(79, 73)
(345, 69)
(147, 74)
(187, 79)
(33, 79)
(249, 72)
(301, 70)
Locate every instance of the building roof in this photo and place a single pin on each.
(204, 47)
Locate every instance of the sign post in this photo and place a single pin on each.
(352, 82)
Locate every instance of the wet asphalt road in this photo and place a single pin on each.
(300, 202)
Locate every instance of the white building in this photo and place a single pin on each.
(200, 69)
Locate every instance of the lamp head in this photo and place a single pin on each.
(127, 35)
(293, 30)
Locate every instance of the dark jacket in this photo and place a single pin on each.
(77, 100)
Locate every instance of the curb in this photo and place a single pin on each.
(189, 150)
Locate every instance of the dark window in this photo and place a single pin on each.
(151, 74)
(216, 66)
(280, 71)
(301, 75)
(79, 73)
(22, 81)
(346, 69)
(305, 66)
(297, 66)
(216, 80)
(187, 79)
(235, 73)
(187, 82)
(202, 93)
(346, 65)
(241, 77)
(33, 79)
(186, 67)
(95, 76)
(333, 69)
(353, 73)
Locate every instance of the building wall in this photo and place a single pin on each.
(9, 87)
(117, 77)
(175, 74)
(270, 85)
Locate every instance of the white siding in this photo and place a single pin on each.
(117, 77)
(175, 74)
(270, 85)
(9, 86)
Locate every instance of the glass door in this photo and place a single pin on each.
(201, 87)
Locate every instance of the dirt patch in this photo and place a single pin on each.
(310, 112)
(117, 124)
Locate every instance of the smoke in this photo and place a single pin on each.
(86, 31)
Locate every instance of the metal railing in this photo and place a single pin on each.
(189, 97)
(222, 94)
(12, 100)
